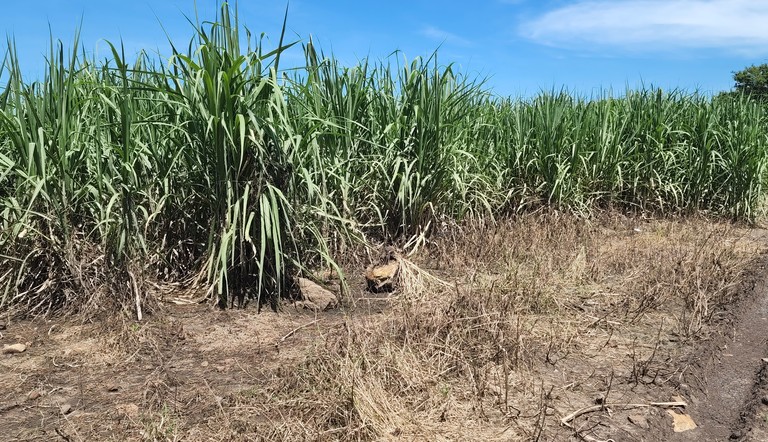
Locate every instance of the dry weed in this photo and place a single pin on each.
(541, 314)
(496, 332)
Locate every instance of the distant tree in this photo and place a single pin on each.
(753, 81)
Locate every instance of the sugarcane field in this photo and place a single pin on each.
(244, 237)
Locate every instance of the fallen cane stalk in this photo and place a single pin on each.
(566, 420)
(292, 332)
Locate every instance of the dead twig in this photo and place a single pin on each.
(292, 332)
(63, 435)
(588, 438)
(8, 407)
(567, 419)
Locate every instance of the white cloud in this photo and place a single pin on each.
(733, 25)
(441, 36)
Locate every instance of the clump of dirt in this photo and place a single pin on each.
(494, 332)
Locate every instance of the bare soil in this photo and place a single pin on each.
(728, 398)
(499, 333)
(736, 402)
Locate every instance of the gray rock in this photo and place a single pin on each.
(321, 298)
(15, 348)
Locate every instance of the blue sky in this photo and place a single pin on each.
(522, 46)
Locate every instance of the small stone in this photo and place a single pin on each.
(639, 420)
(322, 298)
(204, 364)
(764, 400)
(130, 410)
(113, 388)
(15, 348)
(65, 409)
(34, 394)
(682, 421)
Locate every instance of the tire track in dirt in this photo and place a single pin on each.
(734, 372)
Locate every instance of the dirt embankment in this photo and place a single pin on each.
(727, 400)
(733, 403)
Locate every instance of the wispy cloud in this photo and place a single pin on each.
(441, 36)
(732, 25)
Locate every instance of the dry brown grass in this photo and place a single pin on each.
(495, 333)
(541, 316)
